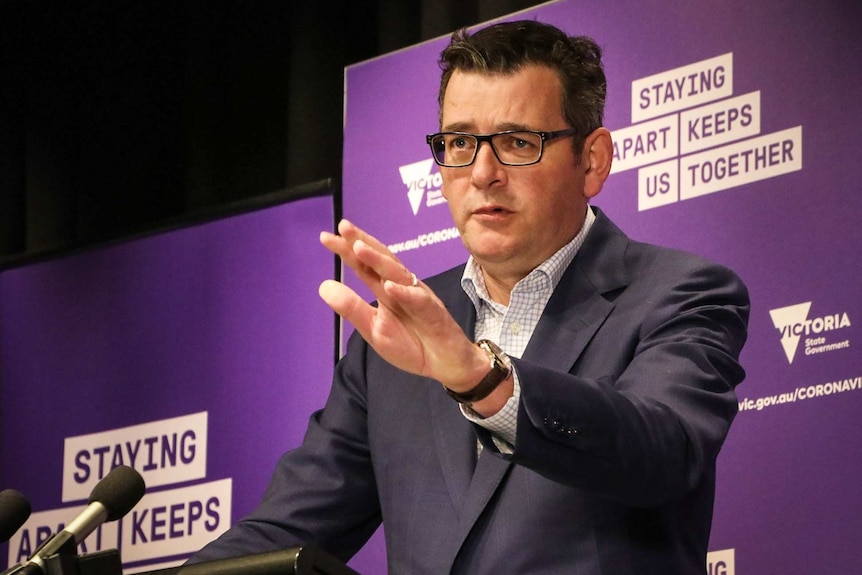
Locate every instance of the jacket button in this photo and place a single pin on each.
(552, 424)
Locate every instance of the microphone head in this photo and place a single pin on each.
(119, 491)
(14, 511)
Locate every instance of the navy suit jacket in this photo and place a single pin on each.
(627, 395)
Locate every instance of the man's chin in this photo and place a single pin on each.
(492, 253)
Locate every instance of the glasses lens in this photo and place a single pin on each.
(518, 148)
(453, 150)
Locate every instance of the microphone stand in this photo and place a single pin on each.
(99, 563)
(66, 561)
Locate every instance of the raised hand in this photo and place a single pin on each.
(410, 327)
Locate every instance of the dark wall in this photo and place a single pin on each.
(116, 116)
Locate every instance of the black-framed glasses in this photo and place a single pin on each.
(512, 148)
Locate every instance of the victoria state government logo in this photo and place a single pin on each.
(793, 324)
(422, 184)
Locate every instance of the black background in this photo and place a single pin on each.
(117, 117)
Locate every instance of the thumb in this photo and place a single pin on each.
(346, 303)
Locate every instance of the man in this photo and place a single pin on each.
(581, 435)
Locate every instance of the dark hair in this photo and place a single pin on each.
(508, 47)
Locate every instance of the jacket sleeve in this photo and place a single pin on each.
(322, 493)
(642, 413)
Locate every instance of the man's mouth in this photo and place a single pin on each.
(491, 210)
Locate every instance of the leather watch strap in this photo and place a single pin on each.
(501, 368)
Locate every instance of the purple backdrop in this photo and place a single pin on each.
(737, 127)
(133, 342)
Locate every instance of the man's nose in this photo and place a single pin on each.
(487, 169)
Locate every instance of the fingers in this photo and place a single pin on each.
(353, 233)
(384, 265)
(409, 326)
(367, 256)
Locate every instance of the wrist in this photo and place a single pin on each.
(497, 369)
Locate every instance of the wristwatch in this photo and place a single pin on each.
(501, 369)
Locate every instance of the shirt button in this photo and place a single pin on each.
(515, 328)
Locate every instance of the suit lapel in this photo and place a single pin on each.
(489, 473)
(573, 315)
(578, 307)
(454, 438)
(455, 444)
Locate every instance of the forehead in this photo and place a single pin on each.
(530, 98)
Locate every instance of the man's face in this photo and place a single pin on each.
(512, 218)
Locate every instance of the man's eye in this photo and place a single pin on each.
(516, 143)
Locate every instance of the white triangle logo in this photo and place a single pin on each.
(414, 177)
(785, 319)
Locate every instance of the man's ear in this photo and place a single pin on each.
(597, 157)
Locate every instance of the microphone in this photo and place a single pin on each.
(14, 511)
(111, 498)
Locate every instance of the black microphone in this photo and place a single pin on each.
(111, 498)
(14, 511)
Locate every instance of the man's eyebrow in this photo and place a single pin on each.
(467, 127)
(512, 126)
(457, 127)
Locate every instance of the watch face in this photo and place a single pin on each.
(499, 357)
(506, 361)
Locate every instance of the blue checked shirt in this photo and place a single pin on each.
(512, 326)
